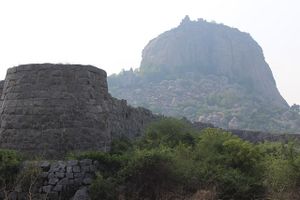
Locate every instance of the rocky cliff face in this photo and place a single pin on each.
(207, 72)
(50, 110)
(212, 49)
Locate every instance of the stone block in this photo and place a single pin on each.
(93, 168)
(59, 174)
(72, 162)
(85, 168)
(53, 195)
(47, 189)
(69, 175)
(78, 181)
(51, 175)
(58, 188)
(71, 181)
(69, 169)
(96, 163)
(58, 166)
(78, 175)
(64, 181)
(53, 181)
(87, 181)
(44, 174)
(76, 169)
(82, 194)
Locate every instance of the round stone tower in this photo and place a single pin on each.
(48, 109)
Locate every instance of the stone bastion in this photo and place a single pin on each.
(51, 109)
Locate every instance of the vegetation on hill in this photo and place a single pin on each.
(211, 73)
(173, 161)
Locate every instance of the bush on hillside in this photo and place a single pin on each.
(103, 188)
(171, 160)
(168, 132)
(230, 164)
(282, 169)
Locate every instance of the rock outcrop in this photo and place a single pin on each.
(208, 48)
(207, 72)
(50, 110)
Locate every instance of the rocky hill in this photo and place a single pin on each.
(211, 73)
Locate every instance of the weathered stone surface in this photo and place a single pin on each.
(51, 109)
(44, 174)
(212, 49)
(64, 181)
(51, 175)
(85, 168)
(1, 89)
(53, 181)
(53, 196)
(55, 108)
(96, 163)
(72, 162)
(58, 167)
(58, 188)
(82, 194)
(57, 184)
(92, 168)
(47, 189)
(85, 162)
(78, 175)
(87, 181)
(76, 169)
(77, 181)
(59, 174)
(45, 165)
(69, 169)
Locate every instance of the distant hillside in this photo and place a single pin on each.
(211, 73)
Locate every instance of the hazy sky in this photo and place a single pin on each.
(111, 34)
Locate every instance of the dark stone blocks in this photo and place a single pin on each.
(51, 109)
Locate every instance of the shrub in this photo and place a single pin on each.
(103, 188)
(172, 159)
(121, 145)
(229, 163)
(282, 169)
(149, 174)
(168, 132)
(9, 167)
(28, 179)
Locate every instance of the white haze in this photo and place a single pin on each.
(111, 34)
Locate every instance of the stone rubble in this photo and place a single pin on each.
(60, 180)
